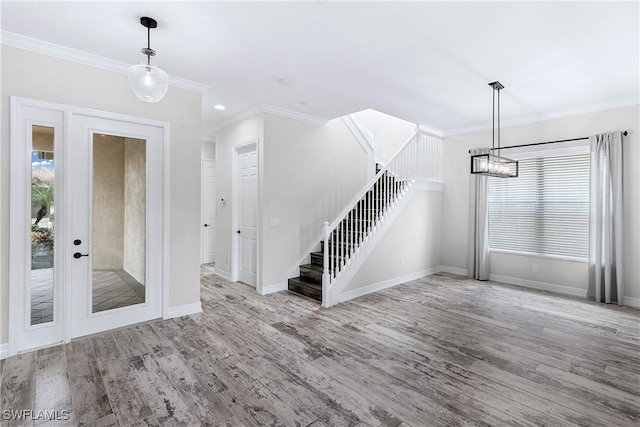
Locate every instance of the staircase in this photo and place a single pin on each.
(346, 242)
(346, 237)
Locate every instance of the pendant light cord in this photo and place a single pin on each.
(498, 122)
(493, 121)
(148, 46)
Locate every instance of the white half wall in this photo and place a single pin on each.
(455, 200)
(390, 132)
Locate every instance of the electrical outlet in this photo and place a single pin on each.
(534, 268)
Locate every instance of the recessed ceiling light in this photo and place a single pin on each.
(219, 107)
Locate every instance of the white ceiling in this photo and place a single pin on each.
(426, 62)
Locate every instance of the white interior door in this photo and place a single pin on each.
(247, 180)
(116, 224)
(208, 211)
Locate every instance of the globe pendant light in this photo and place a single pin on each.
(149, 83)
(492, 164)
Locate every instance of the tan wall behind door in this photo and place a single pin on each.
(135, 193)
(108, 202)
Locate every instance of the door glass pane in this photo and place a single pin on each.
(118, 222)
(42, 224)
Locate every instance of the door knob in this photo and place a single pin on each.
(79, 255)
(77, 242)
(238, 231)
(206, 225)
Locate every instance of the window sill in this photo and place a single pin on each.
(535, 255)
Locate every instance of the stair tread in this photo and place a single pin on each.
(305, 281)
(306, 288)
(312, 266)
(321, 254)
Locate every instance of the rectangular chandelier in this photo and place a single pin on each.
(491, 165)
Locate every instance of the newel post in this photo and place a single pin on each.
(326, 297)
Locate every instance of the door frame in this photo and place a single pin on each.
(235, 212)
(83, 133)
(17, 241)
(202, 208)
(19, 324)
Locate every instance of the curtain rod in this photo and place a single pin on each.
(543, 143)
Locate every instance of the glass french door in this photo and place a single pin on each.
(88, 213)
(116, 231)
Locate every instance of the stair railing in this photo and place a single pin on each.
(351, 230)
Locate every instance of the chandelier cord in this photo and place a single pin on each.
(148, 46)
(498, 121)
(493, 121)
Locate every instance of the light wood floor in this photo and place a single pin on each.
(443, 350)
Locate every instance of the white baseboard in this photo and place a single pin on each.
(631, 302)
(224, 274)
(4, 350)
(454, 270)
(543, 286)
(375, 287)
(184, 310)
(271, 289)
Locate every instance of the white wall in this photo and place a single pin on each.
(308, 174)
(32, 75)
(455, 206)
(208, 150)
(390, 132)
(411, 245)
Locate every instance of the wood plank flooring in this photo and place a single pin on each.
(439, 351)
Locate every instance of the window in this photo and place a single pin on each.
(545, 211)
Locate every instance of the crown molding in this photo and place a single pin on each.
(253, 111)
(68, 54)
(271, 109)
(302, 117)
(533, 118)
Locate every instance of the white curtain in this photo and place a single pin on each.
(605, 219)
(478, 262)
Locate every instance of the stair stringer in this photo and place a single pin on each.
(357, 260)
(304, 259)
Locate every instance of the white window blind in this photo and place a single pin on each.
(545, 210)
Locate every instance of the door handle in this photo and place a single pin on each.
(78, 255)
(206, 225)
(238, 231)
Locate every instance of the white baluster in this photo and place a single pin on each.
(325, 267)
(349, 234)
(334, 257)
